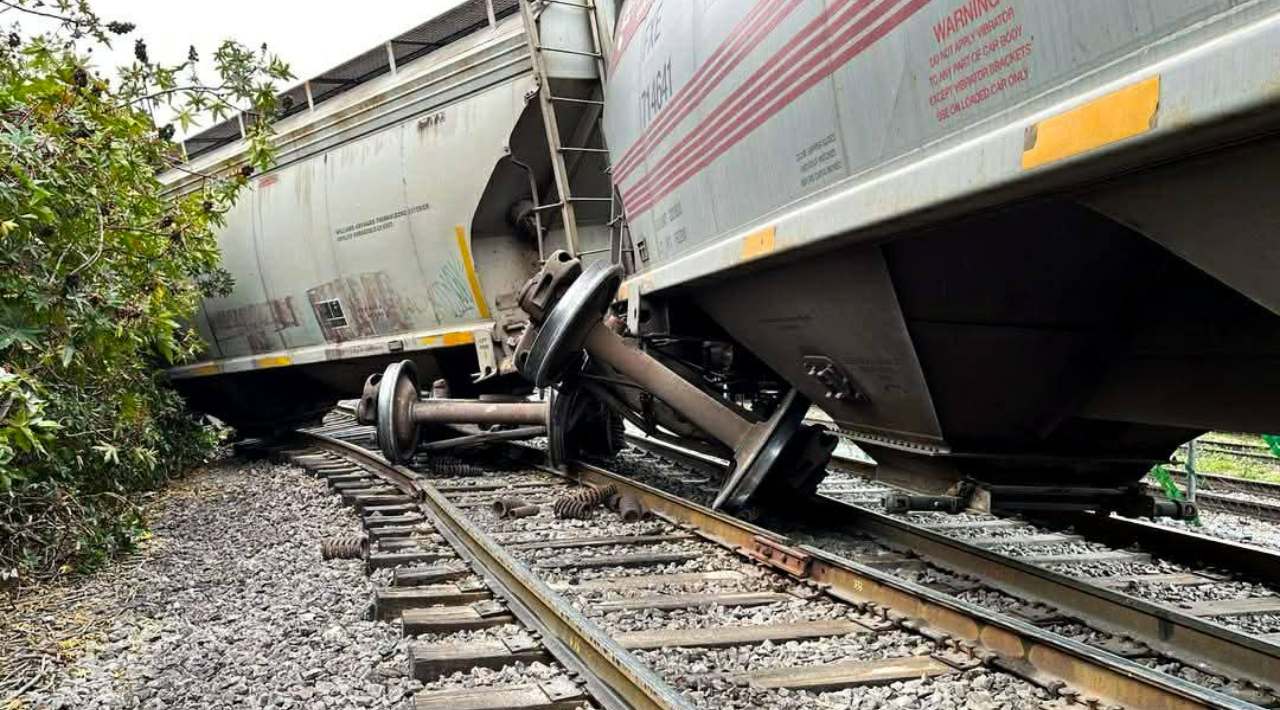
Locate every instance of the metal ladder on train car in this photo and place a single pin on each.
(565, 155)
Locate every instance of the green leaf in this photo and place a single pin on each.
(19, 335)
(110, 454)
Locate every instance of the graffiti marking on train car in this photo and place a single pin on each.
(371, 306)
(258, 323)
(450, 293)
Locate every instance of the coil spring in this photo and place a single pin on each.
(347, 547)
(581, 503)
(450, 466)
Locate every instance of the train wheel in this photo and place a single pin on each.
(792, 457)
(397, 432)
(561, 336)
(581, 424)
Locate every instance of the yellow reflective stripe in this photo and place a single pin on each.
(469, 266)
(211, 368)
(1119, 115)
(273, 361)
(457, 337)
(758, 243)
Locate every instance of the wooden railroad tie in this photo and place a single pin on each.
(632, 560)
(392, 602)
(846, 674)
(651, 580)
(450, 619)
(739, 635)
(383, 560)
(686, 601)
(431, 661)
(421, 576)
(559, 694)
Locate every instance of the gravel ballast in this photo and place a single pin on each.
(229, 605)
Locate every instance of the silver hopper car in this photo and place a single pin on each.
(398, 222)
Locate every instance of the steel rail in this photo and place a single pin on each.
(1042, 657)
(1185, 546)
(1238, 506)
(1217, 495)
(1168, 631)
(613, 677)
(1260, 452)
(1230, 482)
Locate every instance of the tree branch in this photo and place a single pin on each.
(39, 13)
(194, 89)
(102, 239)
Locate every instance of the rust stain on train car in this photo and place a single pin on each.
(258, 323)
(358, 306)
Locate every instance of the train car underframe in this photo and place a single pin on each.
(1042, 355)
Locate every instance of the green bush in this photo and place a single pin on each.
(99, 272)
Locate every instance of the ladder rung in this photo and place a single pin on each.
(570, 100)
(594, 251)
(571, 149)
(565, 50)
(581, 6)
(558, 205)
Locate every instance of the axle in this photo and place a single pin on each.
(392, 402)
(567, 303)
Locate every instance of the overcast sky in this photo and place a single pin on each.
(312, 36)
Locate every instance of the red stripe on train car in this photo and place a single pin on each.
(807, 41)
(627, 26)
(673, 180)
(741, 40)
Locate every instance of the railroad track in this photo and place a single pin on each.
(1230, 494)
(1123, 586)
(688, 607)
(1261, 452)
(1225, 494)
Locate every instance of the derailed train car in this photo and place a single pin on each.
(1018, 250)
(397, 222)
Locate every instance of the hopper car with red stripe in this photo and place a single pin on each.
(1018, 250)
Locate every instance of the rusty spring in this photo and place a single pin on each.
(581, 503)
(346, 547)
(451, 466)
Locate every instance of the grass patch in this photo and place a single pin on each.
(1240, 467)
(1227, 464)
(1234, 438)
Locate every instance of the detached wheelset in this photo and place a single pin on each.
(568, 305)
(573, 421)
